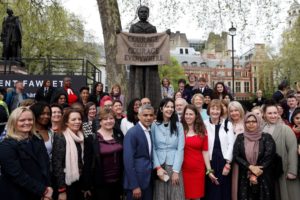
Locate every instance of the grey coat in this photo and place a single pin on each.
(286, 147)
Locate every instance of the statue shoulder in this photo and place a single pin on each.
(141, 27)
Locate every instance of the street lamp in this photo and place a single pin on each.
(232, 32)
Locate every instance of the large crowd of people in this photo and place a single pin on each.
(198, 143)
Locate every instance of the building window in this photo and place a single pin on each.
(184, 63)
(203, 64)
(220, 73)
(237, 86)
(255, 84)
(186, 51)
(246, 87)
(194, 64)
(237, 74)
(181, 51)
(229, 84)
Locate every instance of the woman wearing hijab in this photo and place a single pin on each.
(254, 152)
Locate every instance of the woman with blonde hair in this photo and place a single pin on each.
(24, 160)
(167, 90)
(236, 115)
(116, 93)
(198, 100)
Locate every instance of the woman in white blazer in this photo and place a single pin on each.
(220, 145)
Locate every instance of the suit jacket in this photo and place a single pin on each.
(24, 169)
(256, 102)
(206, 91)
(137, 161)
(41, 96)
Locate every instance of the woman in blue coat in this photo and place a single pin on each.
(168, 145)
(24, 161)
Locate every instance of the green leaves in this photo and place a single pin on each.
(173, 72)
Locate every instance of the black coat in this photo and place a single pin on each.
(41, 96)
(93, 98)
(93, 170)
(24, 169)
(264, 190)
(257, 102)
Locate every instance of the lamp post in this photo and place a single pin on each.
(232, 32)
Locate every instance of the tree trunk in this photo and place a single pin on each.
(110, 21)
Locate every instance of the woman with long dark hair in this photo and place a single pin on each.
(132, 115)
(97, 93)
(196, 156)
(220, 91)
(168, 146)
(67, 156)
(89, 119)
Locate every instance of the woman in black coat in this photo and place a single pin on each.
(254, 152)
(67, 156)
(103, 170)
(24, 161)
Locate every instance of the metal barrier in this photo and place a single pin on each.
(54, 66)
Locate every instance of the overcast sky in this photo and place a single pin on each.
(88, 11)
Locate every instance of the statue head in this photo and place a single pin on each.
(143, 13)
(9, 11)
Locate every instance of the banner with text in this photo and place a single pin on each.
(143, 49)
(33, 82)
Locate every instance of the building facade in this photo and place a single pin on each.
(215, 64)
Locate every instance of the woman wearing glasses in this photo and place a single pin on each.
(254, 152)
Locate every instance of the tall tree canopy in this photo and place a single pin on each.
(51, 31)
(253, 19)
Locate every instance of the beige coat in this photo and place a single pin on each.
(286, 147)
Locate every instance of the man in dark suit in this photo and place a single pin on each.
(137, 157)
(259, 100)
(202, 87)
(292, 103)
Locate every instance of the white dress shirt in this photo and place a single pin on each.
(147, 133)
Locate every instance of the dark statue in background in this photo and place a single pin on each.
(11, 36)
(144, 80)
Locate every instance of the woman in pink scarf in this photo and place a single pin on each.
(254, 152)
(67, 156)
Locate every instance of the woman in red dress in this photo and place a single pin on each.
(196, 156)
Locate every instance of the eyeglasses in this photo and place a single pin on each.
(252, 122)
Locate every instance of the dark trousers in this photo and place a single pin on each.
(74, 191)
(146, 194)
(109, 191)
